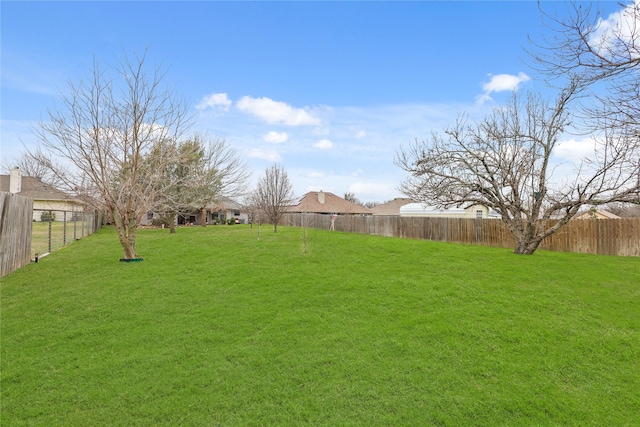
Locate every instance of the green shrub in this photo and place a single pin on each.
(158, 222)
(47, 216)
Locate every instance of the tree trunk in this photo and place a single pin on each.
(526, 246)
(169, 219)
(203, 217)
(126, 233)
(129, 247)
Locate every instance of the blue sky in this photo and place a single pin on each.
(329, 90)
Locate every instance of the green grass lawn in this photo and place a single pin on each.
(40, 235)
(216, 327)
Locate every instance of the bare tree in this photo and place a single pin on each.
(221, 172)
(586, 44)
(624, 210)
(601, 56)
(30, 165)
(274, 194)
(250, 205)
(106, 127)
(351, 197)
(176, 175)
(202, 172)
(505, 163)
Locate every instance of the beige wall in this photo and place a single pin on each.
(469, 212)
(55, 205)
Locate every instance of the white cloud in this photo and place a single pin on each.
(621, 26)
(270, 155)
(275, 137)
(215, 100)
(482, 98)
(323, 144)
(501, 83)
(575, 150)
(274, 112)
(149, 130)
(371, 190)
(387, 127)
(360, 134)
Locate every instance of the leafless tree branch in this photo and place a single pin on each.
(102, 132)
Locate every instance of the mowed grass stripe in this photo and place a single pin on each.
(216, 327)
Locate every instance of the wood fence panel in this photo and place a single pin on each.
(496, 233)
(596, 236)
(452, 230)
(582, 233)
(557, 240)
(608, 231)
(632, 237)
(628, 237)
(15, 232)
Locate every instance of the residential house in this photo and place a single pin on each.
(391, 207)
(45, 197)
(596, 214)
(221, 210)
(226, 209)
(421, 210)
(327, 203)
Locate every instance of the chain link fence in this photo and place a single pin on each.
(53, 229)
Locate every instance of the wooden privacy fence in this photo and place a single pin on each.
(15, 232)
(595, 236)
(26, 233)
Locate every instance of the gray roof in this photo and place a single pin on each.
(36, 189)
(225, 203)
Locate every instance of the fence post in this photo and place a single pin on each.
(64, 228)
(50, 224)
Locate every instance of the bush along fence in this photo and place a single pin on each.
(15, 231)
(53, 229)
(596, 236)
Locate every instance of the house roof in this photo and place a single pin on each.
(313, 202)
(419, 208)
(225, 203)
(600, 213)
(391, 207)
(36, 189)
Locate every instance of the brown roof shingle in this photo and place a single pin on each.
(391, 207)
(312, 202)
